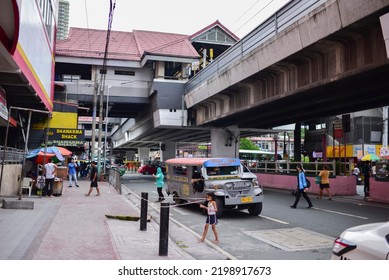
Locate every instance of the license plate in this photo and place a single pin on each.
(246, 199)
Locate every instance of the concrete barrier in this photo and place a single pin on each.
(17, 204)
(340, 185)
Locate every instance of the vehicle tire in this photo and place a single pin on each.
(146, 173)
(255, 209)
(220, 206)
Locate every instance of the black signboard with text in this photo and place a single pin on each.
(66, 137)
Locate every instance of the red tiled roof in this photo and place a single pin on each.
(164, 44)
(124, 45)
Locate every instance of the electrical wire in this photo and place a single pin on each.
(87, 25)
(110, 20)
(246, 12)
(254, 16)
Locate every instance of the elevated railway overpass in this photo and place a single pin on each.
(310, 60)
(331, 61)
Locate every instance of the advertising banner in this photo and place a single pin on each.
(67, 137)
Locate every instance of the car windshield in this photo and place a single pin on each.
(222, 170)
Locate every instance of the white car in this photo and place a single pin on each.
(365, 242)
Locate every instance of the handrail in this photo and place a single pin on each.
(114, 179)
(290, 167)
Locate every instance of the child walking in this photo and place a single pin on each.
(211, 218)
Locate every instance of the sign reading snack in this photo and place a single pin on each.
(67, 137)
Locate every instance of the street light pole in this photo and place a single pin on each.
(96, 89)
(100, 123)
(106, 127)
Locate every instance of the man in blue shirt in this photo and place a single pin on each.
(72, 173)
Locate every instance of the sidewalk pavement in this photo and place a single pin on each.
(75, 227)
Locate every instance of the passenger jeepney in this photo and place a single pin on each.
(224, 177)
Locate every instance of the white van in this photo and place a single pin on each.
(248, 175)
(225, 177)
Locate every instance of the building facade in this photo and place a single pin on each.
(63, 20)
(143, 85)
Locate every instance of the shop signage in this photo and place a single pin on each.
(317, 154)
(66, 137)
(338, 129)
(384, 151)
(3, 105)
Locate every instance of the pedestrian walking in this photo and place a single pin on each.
(50, 173)
(301, 185)
(83, 169)
(374, 170)
(356, 173)
(325, 182)
(160, 183)
(211, 217)
(72, 173)
(93, 179)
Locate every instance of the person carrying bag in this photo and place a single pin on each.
(301, 186)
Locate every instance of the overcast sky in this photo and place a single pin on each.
(173, 16)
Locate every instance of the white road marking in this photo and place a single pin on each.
(274, 220)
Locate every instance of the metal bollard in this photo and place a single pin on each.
(164, 229)
(143, 211)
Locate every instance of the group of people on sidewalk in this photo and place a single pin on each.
(50, 172)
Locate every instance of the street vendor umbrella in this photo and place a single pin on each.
(56, 153)
(370, 157)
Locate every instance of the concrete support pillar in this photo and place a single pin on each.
(297, 142)
(130, 155)
(169, 152)
(225, 142)
(385, 127)
(144, 155)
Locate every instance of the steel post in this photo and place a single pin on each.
(164, 229)
(143, 211)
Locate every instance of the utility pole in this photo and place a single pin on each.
(106, 130)
(103, 72)
(92, 152)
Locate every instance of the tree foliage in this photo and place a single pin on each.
(247, 144)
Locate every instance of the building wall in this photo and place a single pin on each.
(10, 183)
(340, 185)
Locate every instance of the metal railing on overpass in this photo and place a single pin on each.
(288, 167)
(284, 17)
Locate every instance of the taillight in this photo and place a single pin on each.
(342, 246)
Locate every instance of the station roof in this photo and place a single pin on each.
(131, 46)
